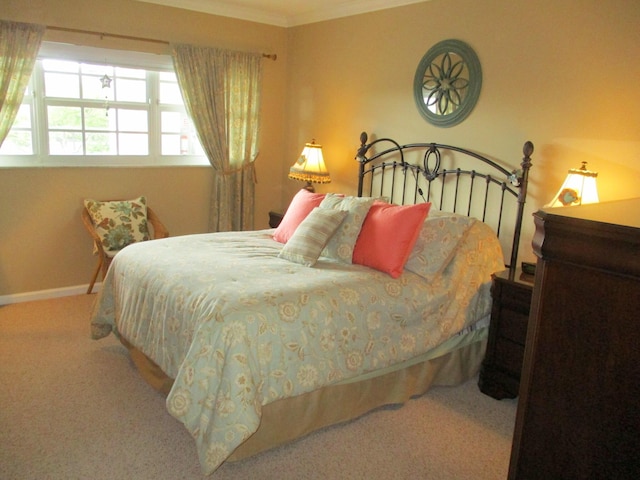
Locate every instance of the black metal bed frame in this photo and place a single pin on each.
(387, 166)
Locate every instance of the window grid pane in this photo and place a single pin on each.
(64, 117)
(130, 90)
(99, 119)
(61, 85)
(92, 88)
(66, 143)
(133, 144)
(17, 142)
(23, 118)
(170, 93)
(105, 143)
(132, 120)
(101, 110)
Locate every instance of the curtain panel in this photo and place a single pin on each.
(221, 90)
(19, 45)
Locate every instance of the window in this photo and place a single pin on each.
(96, 107)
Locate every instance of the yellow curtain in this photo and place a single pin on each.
(19, 45)
(221, 91)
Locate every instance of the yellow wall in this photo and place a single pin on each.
(561, 74)
(43, 244)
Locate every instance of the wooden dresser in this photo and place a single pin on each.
(579, 407)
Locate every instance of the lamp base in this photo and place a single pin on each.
(309, 187)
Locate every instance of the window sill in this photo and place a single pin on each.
(102, 162)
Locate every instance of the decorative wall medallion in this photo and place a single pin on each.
(447, 83)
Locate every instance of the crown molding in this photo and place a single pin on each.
(282, 14)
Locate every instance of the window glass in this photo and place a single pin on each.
(98, 119)
(171, 122)
(92, 89)
(104, 143)
(131, 73)
(23, 119)
(133, 144)
(64, 117)
(61, 85)
(65, 143)
(92, 112)
(53, 65)
(128, 90)
(132, 120)
(169, 89)
(17, 142)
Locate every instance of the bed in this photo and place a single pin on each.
(353, 302)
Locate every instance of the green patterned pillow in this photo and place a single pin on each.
(311, 236)
(341, 245)
(119, 223)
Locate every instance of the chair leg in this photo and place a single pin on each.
(95, 275)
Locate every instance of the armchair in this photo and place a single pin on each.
(115, 224)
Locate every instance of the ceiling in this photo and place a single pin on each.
(284, 13)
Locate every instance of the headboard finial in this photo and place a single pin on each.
(363, 147)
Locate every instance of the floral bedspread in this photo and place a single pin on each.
(238, 328)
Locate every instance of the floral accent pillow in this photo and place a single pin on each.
(311, 236)
(341, 245)
(119, 223)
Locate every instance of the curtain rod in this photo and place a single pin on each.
(270, 56)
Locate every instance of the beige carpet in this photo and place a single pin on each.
(75, 408)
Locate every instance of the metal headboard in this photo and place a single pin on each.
(453, 179)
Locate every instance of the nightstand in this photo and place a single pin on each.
(274, 219)
(502, 365)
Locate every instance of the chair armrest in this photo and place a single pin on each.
(159, 230)
(88, 224)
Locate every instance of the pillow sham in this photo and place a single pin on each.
(119, 223)
(437, 242)
(340, 246)
(301, 205)
(311, 236)
(388, 235)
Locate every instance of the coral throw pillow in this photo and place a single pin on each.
(388, 235)
(301, 205)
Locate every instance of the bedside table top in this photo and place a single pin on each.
(517, 276)
(275, 218)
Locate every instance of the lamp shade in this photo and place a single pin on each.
(310, 166)
(578, 188)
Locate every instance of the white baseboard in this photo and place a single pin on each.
(47, 294)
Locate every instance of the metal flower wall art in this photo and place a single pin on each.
(445, 84)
